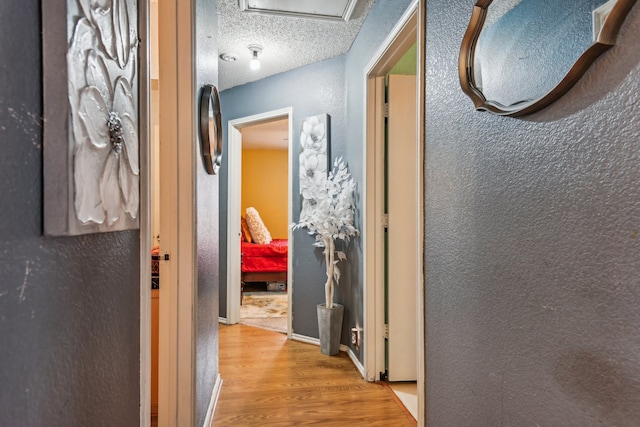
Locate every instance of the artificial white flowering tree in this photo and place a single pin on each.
(330, 216)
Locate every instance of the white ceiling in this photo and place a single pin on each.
(288, 42)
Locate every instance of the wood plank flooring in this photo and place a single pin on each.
(271, 381)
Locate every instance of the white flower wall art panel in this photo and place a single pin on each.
(92, 171)
(314, 157)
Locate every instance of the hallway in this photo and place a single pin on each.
(269, 380)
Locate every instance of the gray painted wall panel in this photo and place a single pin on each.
(206, 223)
(69, 307)
(532, 272)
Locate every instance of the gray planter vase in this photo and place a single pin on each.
(330, 328)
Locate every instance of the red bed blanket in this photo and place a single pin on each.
(264, 258)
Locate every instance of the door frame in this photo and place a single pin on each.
(145, 147)
(234, 190)
(409, 29)
(178, 163)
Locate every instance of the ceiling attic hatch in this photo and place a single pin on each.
(337, 10)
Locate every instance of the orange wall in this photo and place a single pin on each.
(264, 186)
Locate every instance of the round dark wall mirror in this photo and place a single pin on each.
(211, 129)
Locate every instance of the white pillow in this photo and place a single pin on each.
(258, 230)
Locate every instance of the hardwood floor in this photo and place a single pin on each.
(271, 381)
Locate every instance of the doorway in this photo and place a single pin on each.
(180, 221)
(394, 333)
(265, 178)
(239, 134)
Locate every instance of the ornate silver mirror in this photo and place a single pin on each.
(518, 56)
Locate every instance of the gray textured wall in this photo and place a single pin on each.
(69, 307)
(532, 249)
(206, 224)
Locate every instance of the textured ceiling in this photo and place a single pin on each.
(272, 135)
(288, 42)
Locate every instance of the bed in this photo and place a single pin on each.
(264, 262)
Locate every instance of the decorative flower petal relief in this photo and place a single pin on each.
(97, 75)
(106, 168)
(313, 166)
(116, 24)
(82, 41)
(313, 135)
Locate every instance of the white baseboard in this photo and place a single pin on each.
(215, 394)
(304, 338)
(354, 359)
(223, 320)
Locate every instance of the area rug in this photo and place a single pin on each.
(267, 310)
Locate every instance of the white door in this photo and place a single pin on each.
(402, 235)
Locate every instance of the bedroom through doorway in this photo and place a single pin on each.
(265, 174)
(259, 285)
